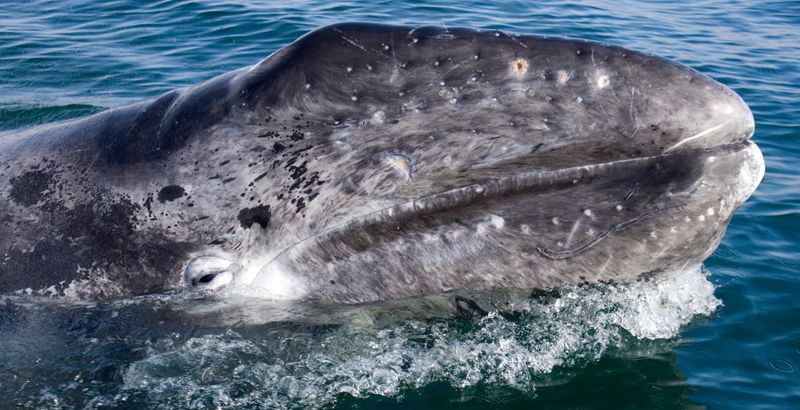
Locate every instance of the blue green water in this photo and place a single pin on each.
(677, 343)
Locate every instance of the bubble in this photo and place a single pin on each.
(746, 330)
(782, 365)
(725, 253)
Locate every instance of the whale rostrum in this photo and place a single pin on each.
(366, 162)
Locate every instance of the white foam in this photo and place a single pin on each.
(304, 370)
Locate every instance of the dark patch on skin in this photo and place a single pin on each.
(148, 202)
(258, 215)
(29, 188)
(224, 162)
(297, 136)
(278, 148)
(301, 203)
(226, 180)
(258, 178)
(170, 193)
(95, 235)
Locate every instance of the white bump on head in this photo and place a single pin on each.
(354, 98)
(308, 85)
(688, 219)
(587, 212)
(378, 117)
(592, 231)
(654, 234)
(603, 82)
(619, 207)
(498, 222)
(401, 162)
(674, 229)
(349, 69)
(710, 211)
(701, 218)
(525, 229)
(556, 220)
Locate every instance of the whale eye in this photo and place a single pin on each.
(207, 278)
(209, 272)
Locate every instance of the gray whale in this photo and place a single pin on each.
(367, 162)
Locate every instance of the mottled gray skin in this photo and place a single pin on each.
(366, 162)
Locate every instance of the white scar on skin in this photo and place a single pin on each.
(710, 130)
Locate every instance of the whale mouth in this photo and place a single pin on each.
(449, 219)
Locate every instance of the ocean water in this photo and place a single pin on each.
(724, 336)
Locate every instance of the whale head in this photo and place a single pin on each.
(366, 162)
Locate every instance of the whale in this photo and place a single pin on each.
(367, 162)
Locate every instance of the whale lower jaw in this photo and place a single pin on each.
(607, 222)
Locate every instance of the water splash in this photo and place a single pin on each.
(514, 347)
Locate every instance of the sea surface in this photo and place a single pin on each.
(726, 335)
